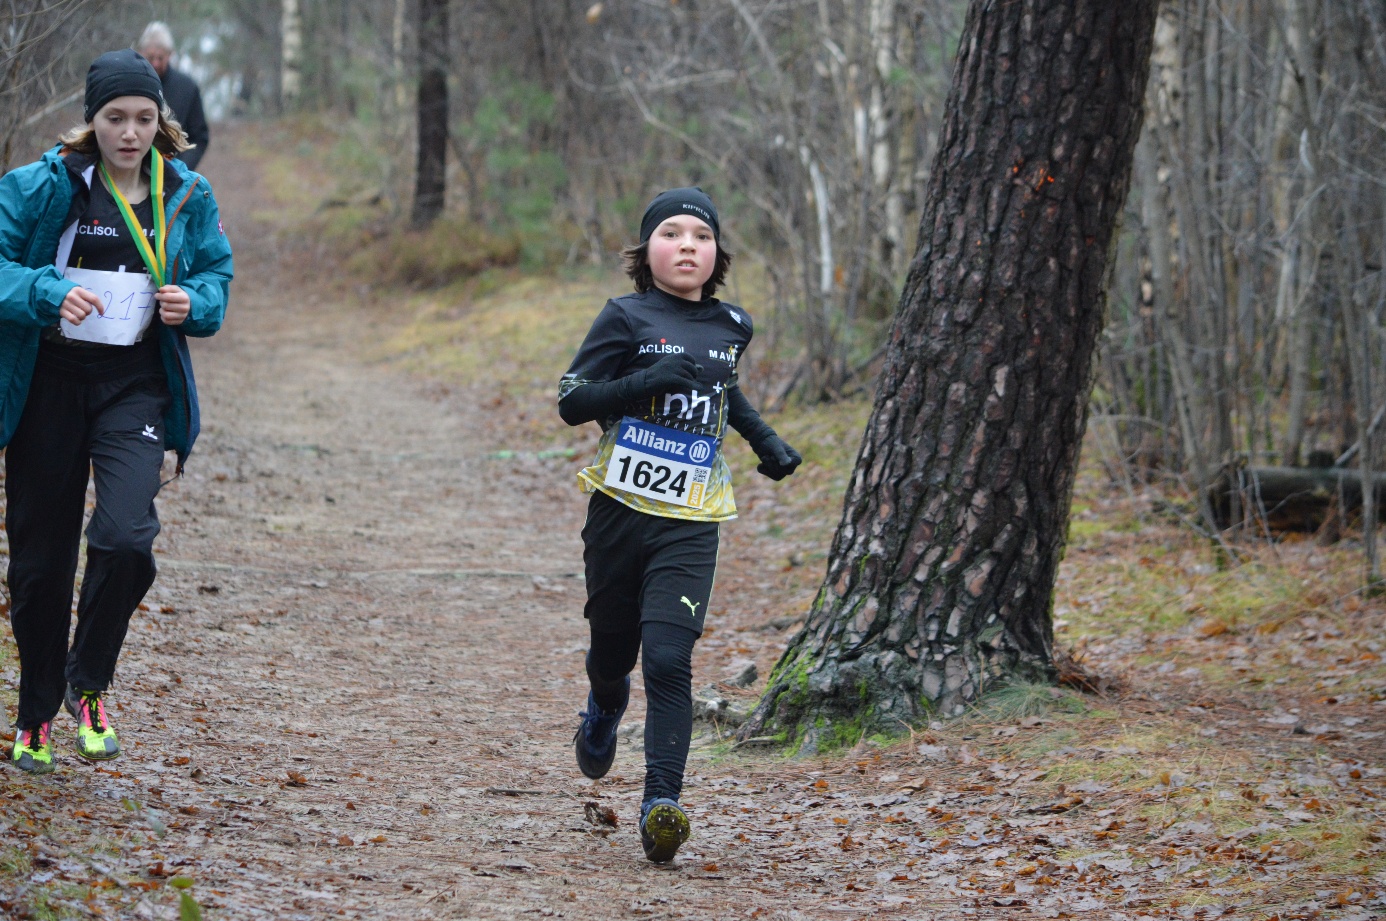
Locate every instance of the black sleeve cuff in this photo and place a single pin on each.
(593, 401)
(743, 417)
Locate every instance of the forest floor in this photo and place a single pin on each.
(353, 689)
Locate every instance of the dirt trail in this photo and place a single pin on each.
(354, 692)
(355, 688)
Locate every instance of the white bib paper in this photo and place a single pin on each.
(661, 463)
(129, 301)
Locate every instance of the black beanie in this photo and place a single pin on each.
(120, 73)
(670, 202)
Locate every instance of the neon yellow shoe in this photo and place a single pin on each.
(33, 749)
(96, 740)
(663, 827)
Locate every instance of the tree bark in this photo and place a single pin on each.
(941, 575)
(430, 178)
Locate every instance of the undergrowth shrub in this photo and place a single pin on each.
(450, 249)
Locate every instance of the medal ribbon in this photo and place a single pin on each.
(155, 257)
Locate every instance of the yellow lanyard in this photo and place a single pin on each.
(155, 257)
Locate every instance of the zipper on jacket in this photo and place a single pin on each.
(187, 396)
(174, 217)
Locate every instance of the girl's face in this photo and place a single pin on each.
(682, 254)
(125, 129)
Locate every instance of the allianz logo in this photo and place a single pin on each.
(648, 439)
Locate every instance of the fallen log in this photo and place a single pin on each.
(1288, 498)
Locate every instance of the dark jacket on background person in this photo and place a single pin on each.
(185, 99)
(38, 203)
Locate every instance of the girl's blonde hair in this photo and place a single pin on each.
(169, 140)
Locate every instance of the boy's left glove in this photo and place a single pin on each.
(777, 459)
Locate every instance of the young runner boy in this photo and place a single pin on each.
(657, 371)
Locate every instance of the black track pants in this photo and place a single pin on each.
(666, 657)
(649, 586)
(74, 427)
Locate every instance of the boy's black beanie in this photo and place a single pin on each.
(120, 73)
(670, 202)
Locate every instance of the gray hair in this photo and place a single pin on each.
(156, 35)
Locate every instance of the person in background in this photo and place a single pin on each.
(180, 91)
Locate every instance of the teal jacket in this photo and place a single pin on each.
(37, 204)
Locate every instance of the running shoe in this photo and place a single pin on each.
(96, 740)
(663, 828)
(33, 749)
(595, 741)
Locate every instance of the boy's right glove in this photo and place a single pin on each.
(672, 372)
(777, 459)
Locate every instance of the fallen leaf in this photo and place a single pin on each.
(599, 815)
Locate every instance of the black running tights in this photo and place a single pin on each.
(666, 657)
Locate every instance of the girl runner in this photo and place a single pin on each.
(99, 384)
(658, 372)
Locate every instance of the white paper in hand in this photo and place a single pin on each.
(129, 301)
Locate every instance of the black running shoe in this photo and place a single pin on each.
(595, 742)
(663, 828)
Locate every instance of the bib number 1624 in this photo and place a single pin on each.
(651, 475)
(660, 463)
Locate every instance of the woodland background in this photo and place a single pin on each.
(1246, 305)
(1215, 743)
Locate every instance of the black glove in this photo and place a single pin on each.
(777, 459)
(672, 372)
(603, 399)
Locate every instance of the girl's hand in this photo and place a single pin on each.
(78, 305)
(173, 304)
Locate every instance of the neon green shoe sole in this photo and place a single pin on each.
(97, 746)
(34, 758)
(92, 744)
(663, 829)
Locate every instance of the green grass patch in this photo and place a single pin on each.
(514, 335)
(450, 249)
(1042, 745)
(14, 862)
(1017, 701)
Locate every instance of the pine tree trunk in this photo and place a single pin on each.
(941, 575)
(430, 180)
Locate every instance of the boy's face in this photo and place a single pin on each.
(682, 254)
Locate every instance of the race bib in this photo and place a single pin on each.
(661, 463)
(129, 301)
